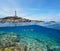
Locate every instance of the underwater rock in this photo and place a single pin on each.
(25, 49)
(8, 39)
(39, 40)
(48, 48)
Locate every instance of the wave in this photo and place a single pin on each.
(54, 25)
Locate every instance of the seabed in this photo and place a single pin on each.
(10, 41)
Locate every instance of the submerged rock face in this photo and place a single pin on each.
(10, 41)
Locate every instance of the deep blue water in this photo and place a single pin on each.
(34, 31)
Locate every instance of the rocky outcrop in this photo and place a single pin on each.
(14, 19)
(17, 19)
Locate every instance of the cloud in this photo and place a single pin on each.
(44, 17)
(11, 12)
(8, 7)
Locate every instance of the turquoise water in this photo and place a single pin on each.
(34, 36)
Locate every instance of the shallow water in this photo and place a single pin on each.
(34, 37)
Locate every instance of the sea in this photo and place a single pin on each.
(35, 36)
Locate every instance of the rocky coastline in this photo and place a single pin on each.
(17, 19)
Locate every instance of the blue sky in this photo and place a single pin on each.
(32, 9)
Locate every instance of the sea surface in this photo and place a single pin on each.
(35, 37)
(54, 25)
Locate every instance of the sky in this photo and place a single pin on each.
(31, 9)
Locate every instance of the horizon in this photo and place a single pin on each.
(33, 9)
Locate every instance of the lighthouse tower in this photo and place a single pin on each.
(15, 13)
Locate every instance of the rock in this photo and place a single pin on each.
(8, 39)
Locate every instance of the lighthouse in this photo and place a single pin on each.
(15, 13)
